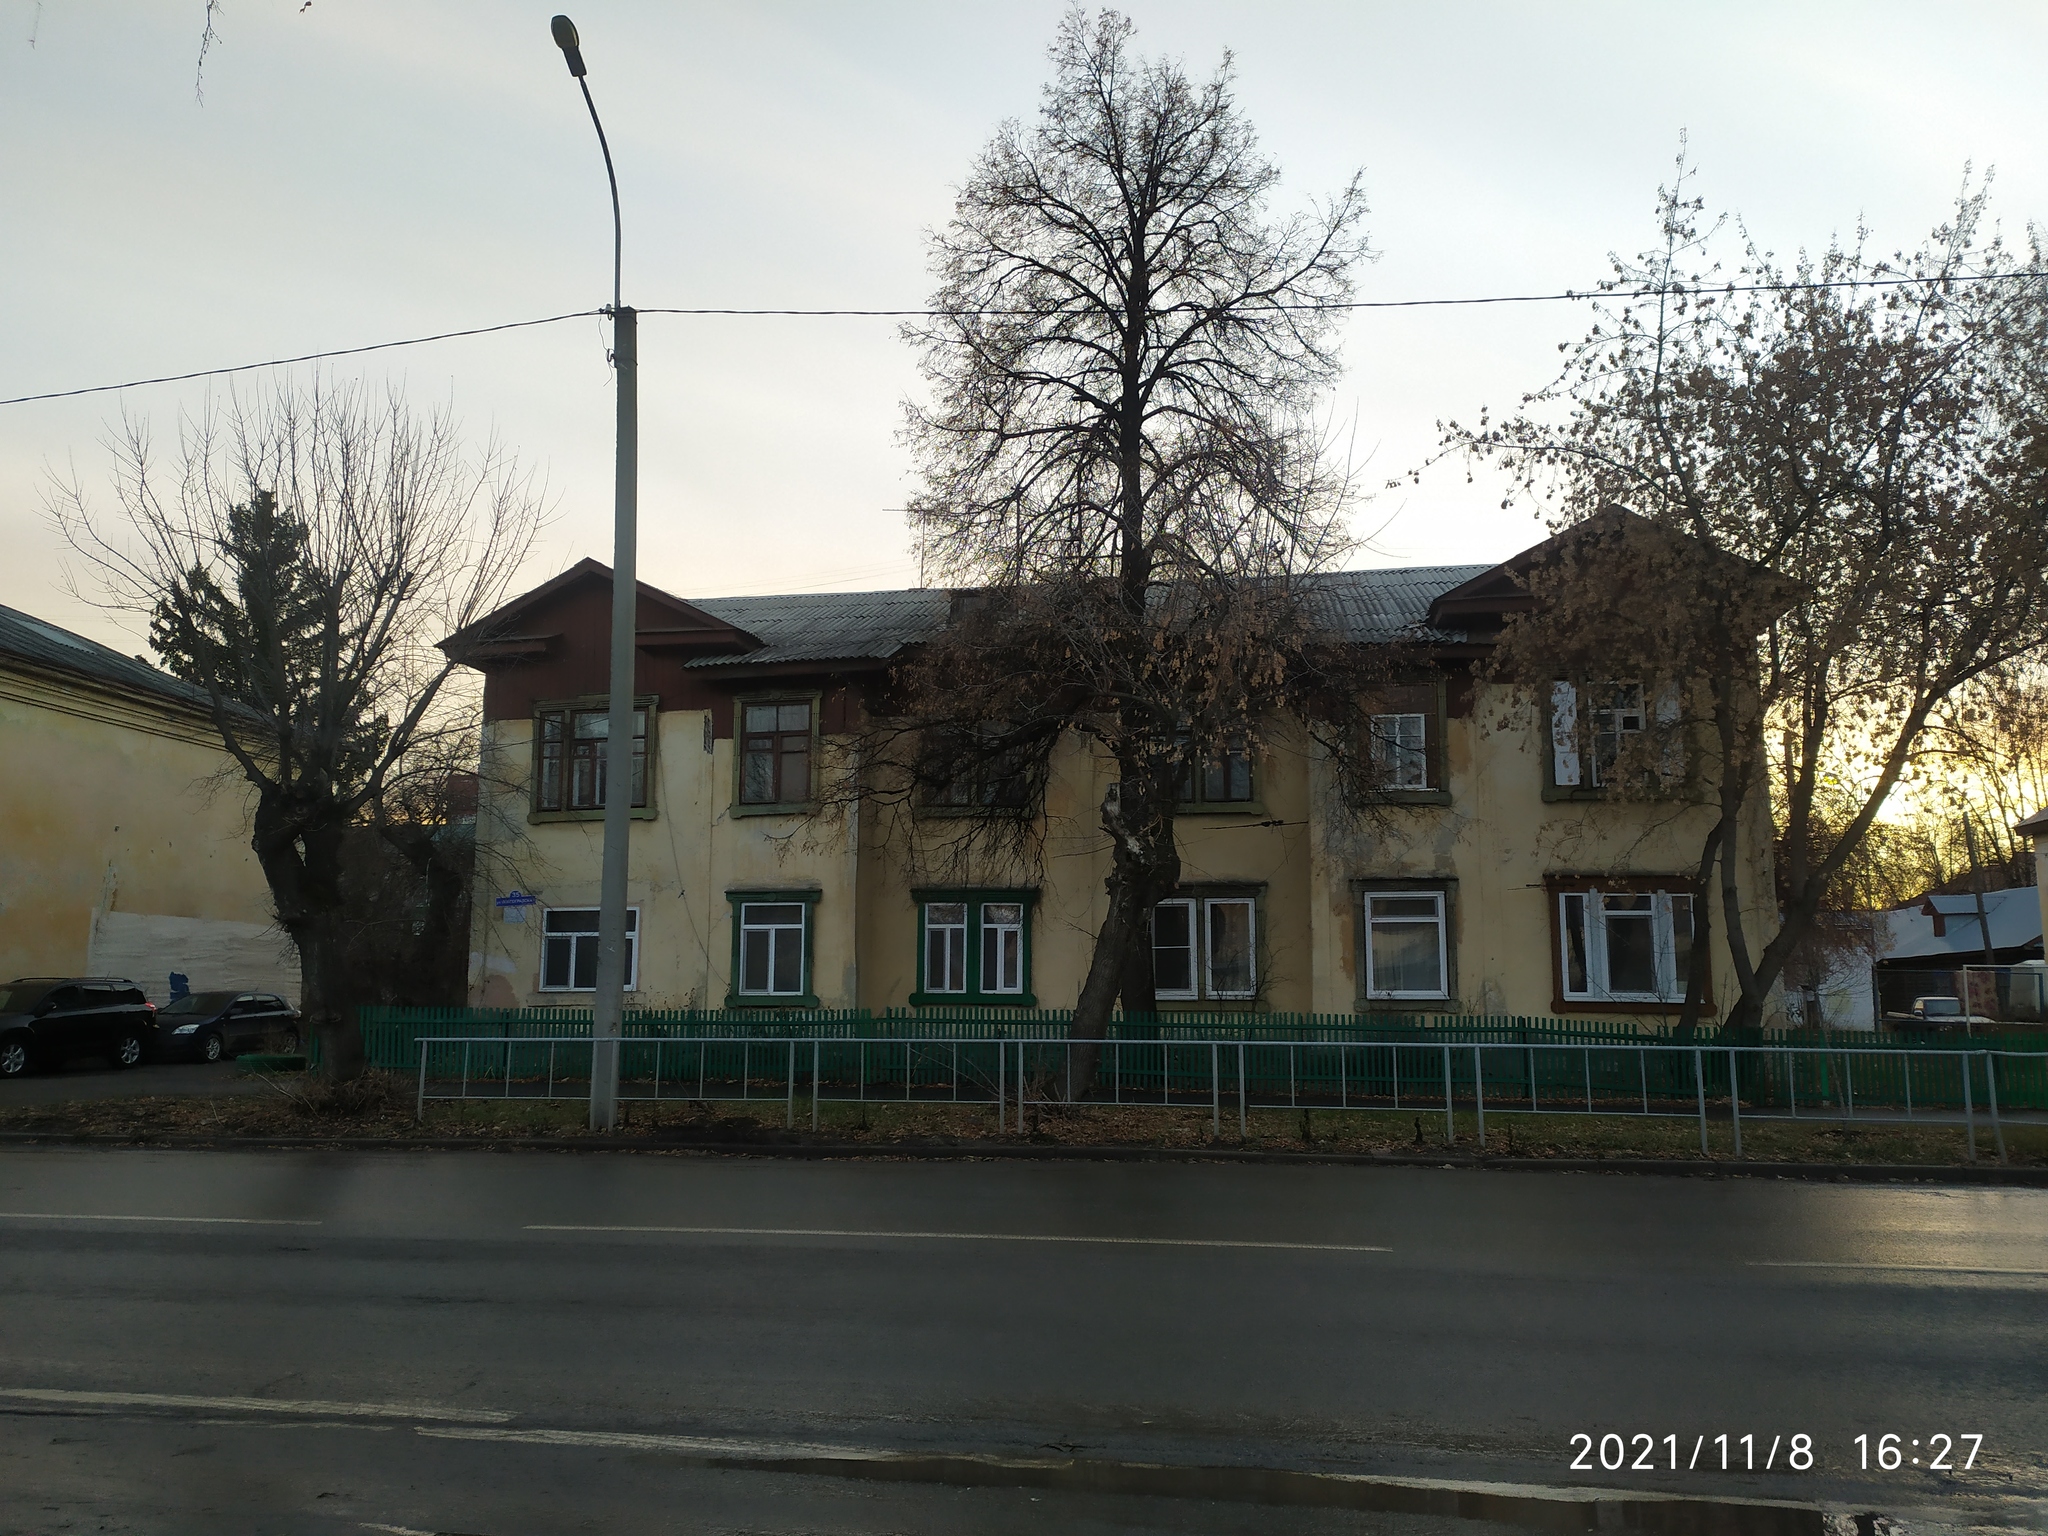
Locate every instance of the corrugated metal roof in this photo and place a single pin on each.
(829, 626)
(2014, 915)
(1392, 603)
(1364, 606)
(43, 644)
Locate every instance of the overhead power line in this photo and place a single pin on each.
(308, 357)
(1567, 295)
(1572, 294)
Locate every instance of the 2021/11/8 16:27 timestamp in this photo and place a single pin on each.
(1745, 1453)
(1891, 1452)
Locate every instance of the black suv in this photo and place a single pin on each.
(47, 1020)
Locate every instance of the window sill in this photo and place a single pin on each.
(1252, 1004)
(1222, 808)
(1410, 797)
(540, 818)
(590, 992)
(1407, 1005)
(973, 1000)
(787, 808)
(973, 812)
(777, 1001)
(1571, 1005)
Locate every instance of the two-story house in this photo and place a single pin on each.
(1499, 876)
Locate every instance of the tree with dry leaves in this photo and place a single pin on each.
(1120, 455)
(1846, 462)
(297, 559)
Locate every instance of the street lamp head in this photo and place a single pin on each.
(571, 46)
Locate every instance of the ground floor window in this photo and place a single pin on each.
(1624, 946)
(974, 947)
(1406, 946)
(773, 944)
(1205, 947)
(568, 949)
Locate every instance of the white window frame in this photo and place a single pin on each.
(956, 935)
(1194, 986)
(1663, 939)
(1201, 968)
(1443, 953)
(1003, 935)
(802, 931)
(577, 937)
(1395, 755)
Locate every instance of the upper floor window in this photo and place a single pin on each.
(1221, 779)
(775, 752)
(1596, 731)
(570, 758)
(1205, 947)
(1400, 750)
(965, 772)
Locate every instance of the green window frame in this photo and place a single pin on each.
(758, 939)
(1221, 783)
(551, 792)
(771, 750)
(963, 937)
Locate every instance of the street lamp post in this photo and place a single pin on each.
(609, 1004)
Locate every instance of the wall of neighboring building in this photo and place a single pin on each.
(1496, 848)
(124, 845)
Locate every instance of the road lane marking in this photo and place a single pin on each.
(257, 1405)
(1929, 1269)
(209, 1221)
(970, 1237)
(687, 1445)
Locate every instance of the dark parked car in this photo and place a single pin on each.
(47, 1020)
(205, 1026)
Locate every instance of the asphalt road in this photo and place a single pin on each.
(514, 1343)
(89, 1077)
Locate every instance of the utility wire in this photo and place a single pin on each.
(309, 357)
(1567, 295)
(1697, 290)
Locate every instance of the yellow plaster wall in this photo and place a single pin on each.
(114, 807)
(681, 864)
(1498, 839)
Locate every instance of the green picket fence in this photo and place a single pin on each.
(1331, 1058)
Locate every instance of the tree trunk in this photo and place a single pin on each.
(1144, 867)
(329, 1012)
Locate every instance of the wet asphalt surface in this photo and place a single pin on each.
(440, 1342)
(89, 1077)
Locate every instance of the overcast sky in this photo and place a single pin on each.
(365, 170)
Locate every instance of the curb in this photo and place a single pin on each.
(980, 1151)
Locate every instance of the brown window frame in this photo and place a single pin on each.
(1557, 886)
(648, 739)
(782, 803)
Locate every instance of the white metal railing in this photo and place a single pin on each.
(1696, 1082)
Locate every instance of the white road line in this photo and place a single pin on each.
(257, 1405)
(1929, 1269)
(970, 1237)
(209, 1221)
(689, 1445)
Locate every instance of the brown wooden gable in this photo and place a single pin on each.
(554, 642)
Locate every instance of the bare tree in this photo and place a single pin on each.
(1876, 432)
(298, 561)
(1119, 452)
